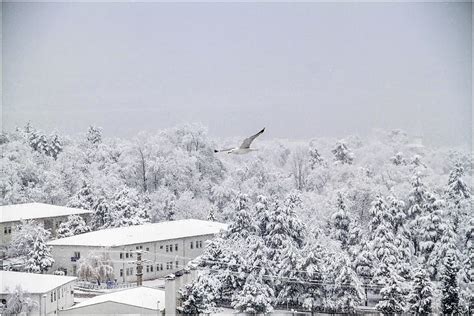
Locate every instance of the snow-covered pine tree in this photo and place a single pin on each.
(458, 196)
(102, 216)
(447, 244)
(39, 258)
(243, 223)
(398, 159)
(417, 199)
(392, 293)
(212, 214)
(342, 154)
(348, 292)
(84, 198)
(94, 135)
(310, 270)
(449, 285)
(256, 297)
(54, 146)
(74, 225)
(364, 262)
(397, 209)
(199, 297)
(315, 159)
(420, 297)
(127, 210)
(341, 223)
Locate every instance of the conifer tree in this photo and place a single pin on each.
(341, 223)
(449, 285)
(420, 297)
(342, 153)
(348, 292)
(392, 293)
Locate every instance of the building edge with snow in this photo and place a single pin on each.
(166, 247)
(53, 293)
(51, 216)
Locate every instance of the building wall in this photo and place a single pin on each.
(50, 303)
(51, 223)
(109, 308)
(158, 262)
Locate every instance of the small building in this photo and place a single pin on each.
(52, 292)
(166, 247)
(51, 216)
(134, 301)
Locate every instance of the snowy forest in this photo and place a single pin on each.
(320, 225)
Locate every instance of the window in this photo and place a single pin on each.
(147, 249)
(131, 255)
(151, 268)
(161, 266)
(177, 264)
(161, 246)
(131, 271)
(121, 272)
(51, 297)
(192, 244)
(147, 269)
(126, 255)
(77, 254)
(54, 295)
(176, 247)
(9, 229)
(167, 248)
(171, 248)
(121, 255)
(200, 244)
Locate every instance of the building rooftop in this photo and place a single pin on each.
(143, 297)
(31, 282)
(140, 234)
(17, 212)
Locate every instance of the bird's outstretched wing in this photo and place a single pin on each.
(246, 143)
(221, 150)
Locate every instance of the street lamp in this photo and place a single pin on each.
(158, 307)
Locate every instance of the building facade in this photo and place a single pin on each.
(52, 293)
(164, 248)
(51, 216)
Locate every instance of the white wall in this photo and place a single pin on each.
(109, 308)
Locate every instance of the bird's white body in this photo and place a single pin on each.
(244, 148)
(240, 151)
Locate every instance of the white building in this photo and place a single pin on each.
(166, 246)
(135, 301)
(52, 292)
(50, 215)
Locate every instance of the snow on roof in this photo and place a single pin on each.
(31, 282)
(142, 233)
(17, 212)
(143, 297)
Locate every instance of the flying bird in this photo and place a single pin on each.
(244, 148)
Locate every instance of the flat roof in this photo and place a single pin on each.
(18, 212)
(31, 282)
(140, 234)
(143, 297)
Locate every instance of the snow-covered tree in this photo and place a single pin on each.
(84, 198)
(420, 297)
(315, 158)
(126, 209)
(449, 285)
(342, 154)
(256, 297)
(74, 225)
(311, 267)
(94, 135)
(392, 293)
(19, 303)
(341, 223)
(29, 241)
(243, 224)
(95, 266)
(417, 199)
(348, 292)
(398, 159)
(199, 297)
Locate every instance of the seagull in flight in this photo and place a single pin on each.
(244, 148)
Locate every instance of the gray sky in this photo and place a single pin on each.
(302, 70)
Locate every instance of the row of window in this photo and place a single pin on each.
(198, 244)
(169, 248)
(150, 268)
(7, 230)
(56, 295)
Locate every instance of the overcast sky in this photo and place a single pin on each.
(302, 70)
